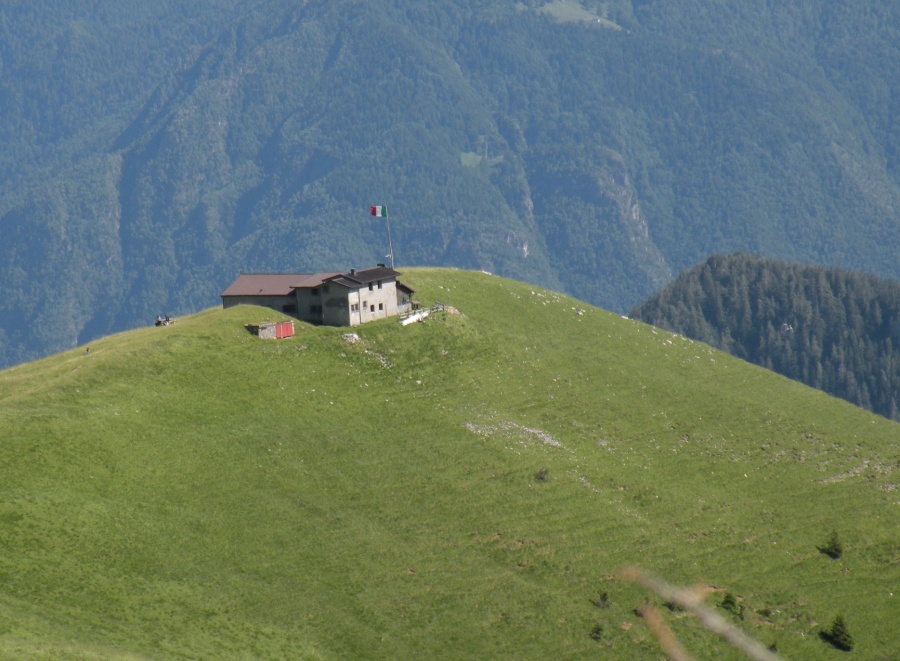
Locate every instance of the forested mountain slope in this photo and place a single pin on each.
(835, 330)
(152, 150)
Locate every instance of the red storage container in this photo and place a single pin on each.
(284, 329)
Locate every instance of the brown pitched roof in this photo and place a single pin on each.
(313, 280)
(345, 282)
(283, 284)
(273, 284)
(354, 278)
(370, 275)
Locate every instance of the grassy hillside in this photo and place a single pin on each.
(194, 492)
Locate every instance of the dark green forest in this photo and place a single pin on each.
(153, 150)
(832, 329)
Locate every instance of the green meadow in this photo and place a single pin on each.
(467, 487)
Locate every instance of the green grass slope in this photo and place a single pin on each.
(195, 492)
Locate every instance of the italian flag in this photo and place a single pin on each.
(378, 212)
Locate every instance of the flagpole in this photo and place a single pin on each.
(380, 210)
(390, 245)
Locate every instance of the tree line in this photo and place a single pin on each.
(832, 329)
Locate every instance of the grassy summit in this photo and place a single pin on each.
(461, 488)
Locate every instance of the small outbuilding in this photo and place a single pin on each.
(276, 330)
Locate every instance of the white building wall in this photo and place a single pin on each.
(377, 302)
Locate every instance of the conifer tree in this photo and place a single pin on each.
(838, 634)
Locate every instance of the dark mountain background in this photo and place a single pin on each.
(832, 329)
(154, 149)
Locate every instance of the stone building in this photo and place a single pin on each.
(332, 299)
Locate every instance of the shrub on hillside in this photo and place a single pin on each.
(838, 634)
(730, 603)
(602, 601)
(832, 546)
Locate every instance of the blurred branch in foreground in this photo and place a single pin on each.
(691, 601)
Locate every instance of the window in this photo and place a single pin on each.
(379, 284)
(315, 309)
(371, 308)
(370, 286)
(290, 307)
(381, 306)
(325, 289)
(354, 307)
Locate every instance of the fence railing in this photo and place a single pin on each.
(407, 311)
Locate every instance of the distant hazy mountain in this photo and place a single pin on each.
(151, 150)
(835, 330)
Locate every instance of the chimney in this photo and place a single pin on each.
(352, 271)
(380, 264)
